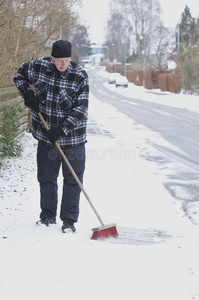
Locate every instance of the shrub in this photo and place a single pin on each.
(9, 128)
(188, 62)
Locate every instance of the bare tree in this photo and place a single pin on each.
(141, 18)
(115, 34)
(139, 23)
(26, 26)
(81, 43)
(163, 46)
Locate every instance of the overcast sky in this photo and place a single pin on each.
(96, 14)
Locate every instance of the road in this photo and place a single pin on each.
(178, 164)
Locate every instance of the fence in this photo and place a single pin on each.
(10, 96)
(154, 78)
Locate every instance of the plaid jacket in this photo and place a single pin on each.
(63, 98)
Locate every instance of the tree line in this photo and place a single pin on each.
(136, 27)
(26, 26)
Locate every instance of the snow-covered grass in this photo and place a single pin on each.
(155, 255)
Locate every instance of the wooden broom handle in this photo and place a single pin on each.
(72, 172)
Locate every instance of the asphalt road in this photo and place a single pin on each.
(179, 164)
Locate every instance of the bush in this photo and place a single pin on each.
(152, 78)
(163, 82)
(135, 76)
(9, 128)
(188, 62)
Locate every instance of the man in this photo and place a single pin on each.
(62, 94)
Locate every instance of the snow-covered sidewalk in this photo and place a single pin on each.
(155, 255)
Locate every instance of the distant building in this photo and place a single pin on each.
(97, 57)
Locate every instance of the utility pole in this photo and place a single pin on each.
(114, 60)
(124, 56)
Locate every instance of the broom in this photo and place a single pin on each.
(104, 231)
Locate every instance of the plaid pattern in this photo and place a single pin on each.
(63, 98)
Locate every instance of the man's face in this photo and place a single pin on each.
(61, 63)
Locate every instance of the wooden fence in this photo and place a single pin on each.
(10, 96)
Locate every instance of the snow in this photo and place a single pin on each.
(182, 100)
(156, 253)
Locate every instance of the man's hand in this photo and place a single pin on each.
(31, 101)
(53, 134)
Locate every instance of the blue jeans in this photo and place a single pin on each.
(49, 162)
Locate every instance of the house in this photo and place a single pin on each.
(97, 57)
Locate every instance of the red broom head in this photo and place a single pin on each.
(104, 232)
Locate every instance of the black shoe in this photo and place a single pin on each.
(46, 221)
(68, 225)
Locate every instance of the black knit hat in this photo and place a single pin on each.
(61, 48)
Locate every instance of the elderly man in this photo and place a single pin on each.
(62, 94)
